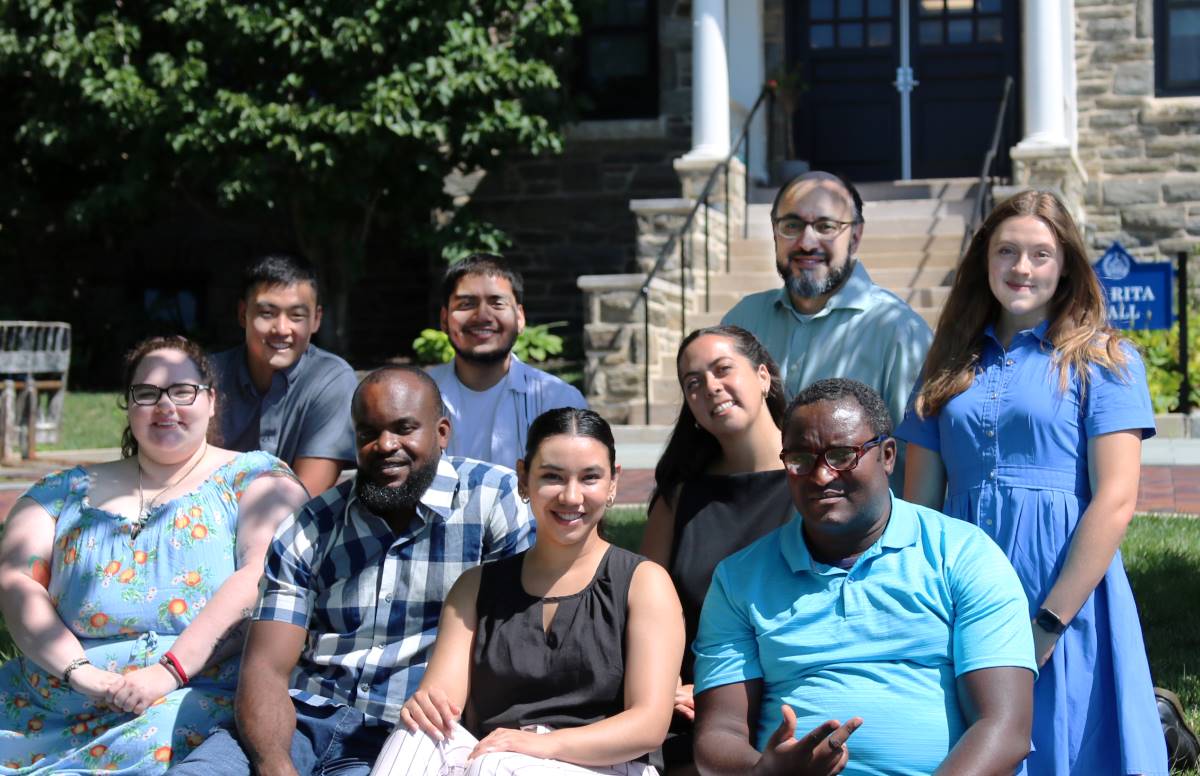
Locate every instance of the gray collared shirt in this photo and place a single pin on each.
(304, 414)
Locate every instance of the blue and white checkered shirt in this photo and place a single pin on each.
(369, 599)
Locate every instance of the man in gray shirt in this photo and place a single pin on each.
(278, 392)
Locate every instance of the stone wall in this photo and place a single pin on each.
(1140, 153)
(569, 215)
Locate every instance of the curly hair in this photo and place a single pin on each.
(875, 412)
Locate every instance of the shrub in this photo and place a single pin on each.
(1160, 350)
(534, 345)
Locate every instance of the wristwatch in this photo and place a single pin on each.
(1049, 621)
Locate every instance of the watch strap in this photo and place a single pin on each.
(1049, 621)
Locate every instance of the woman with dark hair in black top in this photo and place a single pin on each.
(719, 484)
(560, 659)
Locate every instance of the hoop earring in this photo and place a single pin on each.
(612, 499)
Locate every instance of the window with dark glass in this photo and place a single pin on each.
(1177, 47)
(849, 24)
(616, 59)
(960, 22)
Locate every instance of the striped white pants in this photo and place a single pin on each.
(416, 754)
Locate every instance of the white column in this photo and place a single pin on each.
(746, 76)
(1044, 75)
(710, 81)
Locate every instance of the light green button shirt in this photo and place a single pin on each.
(864, 332)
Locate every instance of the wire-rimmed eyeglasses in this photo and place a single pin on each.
(791, 228)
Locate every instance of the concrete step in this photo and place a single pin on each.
(640, 435)
(661, 414)
(871, 244)
(900, 225)
(751, 258)
(890, 210)
(737, 284)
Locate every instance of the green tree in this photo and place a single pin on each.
(326, 115)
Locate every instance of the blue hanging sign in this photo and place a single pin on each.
(1138, 295)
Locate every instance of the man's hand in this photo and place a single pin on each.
(685, 702)
(430, 710)
(140, 688)
(823, 752)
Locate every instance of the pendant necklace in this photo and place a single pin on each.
(145, 508)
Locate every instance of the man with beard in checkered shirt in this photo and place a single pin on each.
(353, 589)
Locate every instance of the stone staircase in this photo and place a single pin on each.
(913, 234)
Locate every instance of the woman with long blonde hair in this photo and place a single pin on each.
(1032, 410)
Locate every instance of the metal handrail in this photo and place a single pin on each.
(643, 296)
(983, 195)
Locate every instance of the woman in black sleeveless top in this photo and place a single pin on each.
(719, 485)
(561, 659)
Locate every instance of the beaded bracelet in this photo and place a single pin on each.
(76, 663)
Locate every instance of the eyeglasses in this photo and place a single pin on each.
(180, 394)
(790, 228)
(839, 459)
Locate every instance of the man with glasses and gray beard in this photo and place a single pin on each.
(830, 319)
(353, 589)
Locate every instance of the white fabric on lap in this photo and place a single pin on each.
(416, 754)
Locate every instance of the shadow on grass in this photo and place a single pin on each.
(1162, 558)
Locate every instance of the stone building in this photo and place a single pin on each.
(1105, 108)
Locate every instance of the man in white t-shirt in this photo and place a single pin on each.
(489, 394)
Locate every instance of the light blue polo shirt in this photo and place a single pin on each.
(884, 640)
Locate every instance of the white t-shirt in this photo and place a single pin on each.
(472, 429)
(493, 425)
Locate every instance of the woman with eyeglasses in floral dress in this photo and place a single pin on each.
(125, 584)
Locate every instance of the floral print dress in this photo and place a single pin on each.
(127, 598)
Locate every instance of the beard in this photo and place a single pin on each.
(382, 500)
(488, 357)
(804, 286)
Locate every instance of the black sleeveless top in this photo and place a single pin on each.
(717, 515)
(569, 676)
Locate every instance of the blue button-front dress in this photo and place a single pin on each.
(1015, 451)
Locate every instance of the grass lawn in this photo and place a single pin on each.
(89, 420)
(1162, 556)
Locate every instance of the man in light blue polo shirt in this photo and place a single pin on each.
(865, 618)
(277, 391)
(830, 319)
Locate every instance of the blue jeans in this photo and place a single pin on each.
(329, 741)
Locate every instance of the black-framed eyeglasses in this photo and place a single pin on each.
(180, 394)
(842, 458)
(790, 227)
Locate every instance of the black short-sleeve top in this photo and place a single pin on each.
(717, 515)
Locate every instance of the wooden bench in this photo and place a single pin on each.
(34, 359)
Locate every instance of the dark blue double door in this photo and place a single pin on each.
(851, 117)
